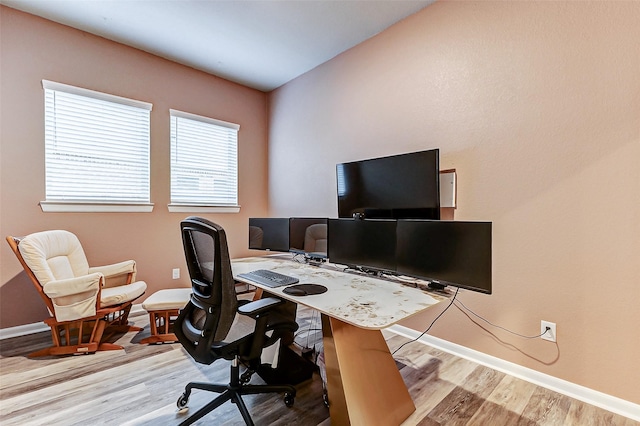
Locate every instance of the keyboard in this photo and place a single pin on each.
(269, 278)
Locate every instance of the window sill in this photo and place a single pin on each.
(82, 207)
(191, 208)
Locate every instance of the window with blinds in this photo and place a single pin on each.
(96, 147)
(204, 162)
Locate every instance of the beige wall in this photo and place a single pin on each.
(537, 106)
(33, 49)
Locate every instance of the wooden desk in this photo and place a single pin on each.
(364, 385)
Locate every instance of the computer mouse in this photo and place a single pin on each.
(295, 291)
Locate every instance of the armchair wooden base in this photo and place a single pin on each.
(87, 335)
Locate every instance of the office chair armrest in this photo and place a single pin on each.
(258, 307)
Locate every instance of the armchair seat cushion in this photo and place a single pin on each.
(116, 295)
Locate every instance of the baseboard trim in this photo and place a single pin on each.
(39, 327)
(23, 330)
(606, 402)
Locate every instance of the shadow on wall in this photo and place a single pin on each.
(20, 302)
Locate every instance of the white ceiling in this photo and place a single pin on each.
(261, 44)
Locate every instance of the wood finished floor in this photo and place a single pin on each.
(140, 385)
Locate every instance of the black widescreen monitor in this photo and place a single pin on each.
(453, 253)
(269, 233)
(395, 187)
(365, 244)
(308, 236)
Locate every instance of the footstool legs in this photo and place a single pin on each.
(163, 307)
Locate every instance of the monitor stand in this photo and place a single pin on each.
(312, 259)
(435, 285)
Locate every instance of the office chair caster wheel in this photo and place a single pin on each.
(182, 402)
(246, 377)
(289, 399)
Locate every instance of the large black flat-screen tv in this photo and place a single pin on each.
(308, 236)
(405, 186)
(453, 253)
(363, 244)
(269, 233)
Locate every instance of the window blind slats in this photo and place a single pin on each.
(96, 150)
(204, 161)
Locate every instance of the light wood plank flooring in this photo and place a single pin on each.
(140, 386)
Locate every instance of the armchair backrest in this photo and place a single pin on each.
(53, 255)
(208, 316)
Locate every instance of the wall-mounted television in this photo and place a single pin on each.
(269, 233)
(363, 244)
(405, 186)
(308, 236)
(453, 253)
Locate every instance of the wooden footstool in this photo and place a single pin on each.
(163, 307)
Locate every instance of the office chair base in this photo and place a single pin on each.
(232, 392)
(227, 393)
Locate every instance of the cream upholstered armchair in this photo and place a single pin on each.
(87, 304)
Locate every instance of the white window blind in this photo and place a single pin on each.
(96, 146)
(204, 161)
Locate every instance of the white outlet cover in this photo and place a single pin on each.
(551, 334)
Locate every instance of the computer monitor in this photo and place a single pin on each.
(397, 187)
(308, 236)
(364, 244)
(270, 233)
(453, 253)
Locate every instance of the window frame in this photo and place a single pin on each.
(196, 207)
(77, 205)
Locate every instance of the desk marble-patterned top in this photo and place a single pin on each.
(360, 300)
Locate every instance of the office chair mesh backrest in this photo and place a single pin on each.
(207, 254)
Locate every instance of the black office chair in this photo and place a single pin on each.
(204, 326)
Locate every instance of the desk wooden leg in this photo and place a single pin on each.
(363, 382)
(258, 294)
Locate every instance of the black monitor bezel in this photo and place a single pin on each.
(350, 204)
(295, 250)
(379, 267)
(281, 221)
(483, 243)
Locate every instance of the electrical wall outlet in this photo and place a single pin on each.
(176, 273)
(550, 333)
